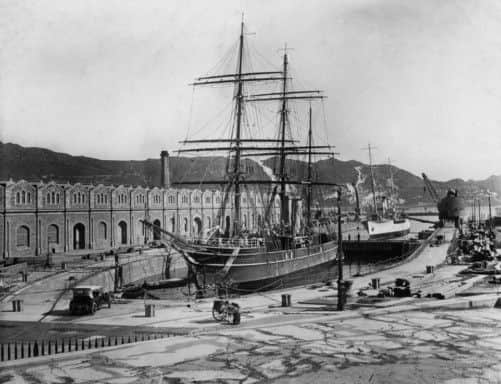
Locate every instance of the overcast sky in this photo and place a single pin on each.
(421, 80)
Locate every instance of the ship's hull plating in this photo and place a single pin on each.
(266, 270)
(387, 229)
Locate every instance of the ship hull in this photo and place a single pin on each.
(387, 229)
(267, 270)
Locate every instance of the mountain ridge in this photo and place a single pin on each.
(41, 164)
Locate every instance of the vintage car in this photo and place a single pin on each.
(88, 299)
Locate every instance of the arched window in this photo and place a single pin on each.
(29, 197)
(173, 224)
(18, 198)
(53, 197)
(23, 237)
(103, 230)
(185, 225)
(23, 197)
(57, 198)
(53, 234)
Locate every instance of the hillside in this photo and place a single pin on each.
(35, 164)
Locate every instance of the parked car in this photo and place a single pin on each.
(88, 299)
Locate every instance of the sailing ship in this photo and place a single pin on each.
(385, 222)
(284, 253)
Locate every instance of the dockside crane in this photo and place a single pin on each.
(430, 188)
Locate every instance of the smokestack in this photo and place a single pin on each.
(164, 169)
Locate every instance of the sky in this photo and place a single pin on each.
(419, 80)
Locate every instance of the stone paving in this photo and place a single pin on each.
(405, 347)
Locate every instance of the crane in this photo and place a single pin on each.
(431, 189)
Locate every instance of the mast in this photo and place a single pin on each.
(284, 219)
(308, 191)
(373, 183)
(236, 165)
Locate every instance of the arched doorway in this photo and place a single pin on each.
(79, 236)
(122, 232)
(198, 226)
(52, 234)
(156, 230)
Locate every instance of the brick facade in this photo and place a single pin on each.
(37, 218)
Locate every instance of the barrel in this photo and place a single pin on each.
(149, 310)
(375, 283)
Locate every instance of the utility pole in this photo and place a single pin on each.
(340, 282)
(490, 212)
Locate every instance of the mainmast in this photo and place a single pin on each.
(236, 165)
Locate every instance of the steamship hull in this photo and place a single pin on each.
(260, 271)
(387, 229)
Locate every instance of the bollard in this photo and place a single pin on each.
(286, 300)
(375, 283)
(149, 310)
(430, 269)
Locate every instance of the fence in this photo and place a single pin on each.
(26, 349)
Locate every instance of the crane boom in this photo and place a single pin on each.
(431, 189)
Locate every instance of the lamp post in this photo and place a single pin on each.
(340, 282)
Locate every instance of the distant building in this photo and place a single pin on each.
(37, 218)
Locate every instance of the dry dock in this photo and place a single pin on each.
(398, 340)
